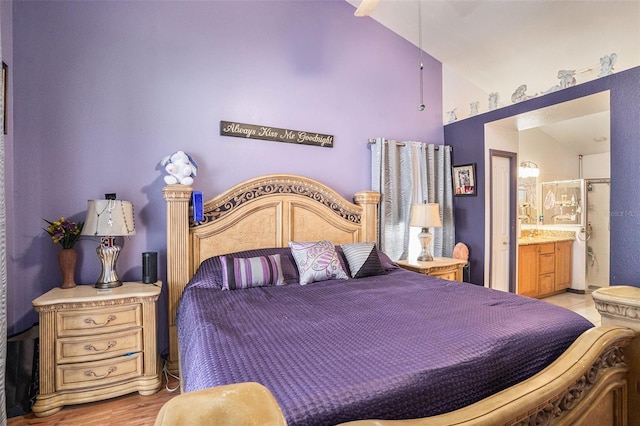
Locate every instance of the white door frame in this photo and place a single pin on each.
(513, 186)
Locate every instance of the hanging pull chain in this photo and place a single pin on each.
(421, 107)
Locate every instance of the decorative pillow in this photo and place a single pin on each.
(209, 273)
(363, 259)
(386, 261)
(317, 261)
(259, 271)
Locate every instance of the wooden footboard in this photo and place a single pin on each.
(595, 382)
(620, 305)
(585, 386)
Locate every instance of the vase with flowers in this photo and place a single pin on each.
(66, 233)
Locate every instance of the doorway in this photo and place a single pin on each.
(597, 236)
(503, 220)
(555, 138)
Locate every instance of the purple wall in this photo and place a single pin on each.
(467, 138)
(6, 25)
(104, 90)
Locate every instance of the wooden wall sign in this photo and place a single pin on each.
(253, 131)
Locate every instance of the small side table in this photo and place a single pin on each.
(441, 267)
(96, 344)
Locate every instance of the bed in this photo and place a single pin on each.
(423, 352)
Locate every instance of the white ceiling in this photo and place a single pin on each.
(499, 45)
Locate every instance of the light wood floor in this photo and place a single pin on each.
(140, 410)
(132, 409)
(579, 303)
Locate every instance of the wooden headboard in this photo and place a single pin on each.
(267, 211)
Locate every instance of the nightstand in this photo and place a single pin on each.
(96, 344)
(441, 267)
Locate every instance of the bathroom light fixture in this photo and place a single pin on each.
(425, 216)
(108, 219)
(528, 169)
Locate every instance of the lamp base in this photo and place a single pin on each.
(112, 284)
(425, 240)
(427, 258)
(108, 253)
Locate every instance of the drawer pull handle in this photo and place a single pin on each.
(93, 348)
(92, 321)
(90, 373)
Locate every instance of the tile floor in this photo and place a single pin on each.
(579, 303)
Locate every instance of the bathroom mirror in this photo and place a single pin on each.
(527, 200)
(562, 202)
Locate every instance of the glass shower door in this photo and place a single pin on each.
(597, 229)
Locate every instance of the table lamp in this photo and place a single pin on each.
(426, 216)
(108, 219)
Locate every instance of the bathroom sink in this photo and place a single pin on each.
(537, 239)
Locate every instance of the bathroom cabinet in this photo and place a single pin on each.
(528, 270)
(563, 264)
(544, 268)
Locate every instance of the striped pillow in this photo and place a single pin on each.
(252, 272)
(363, 259)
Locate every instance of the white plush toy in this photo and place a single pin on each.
(181, 168)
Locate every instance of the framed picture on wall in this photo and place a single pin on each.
(464, 180)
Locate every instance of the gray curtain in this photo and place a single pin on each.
(406, 173)
(3, 274)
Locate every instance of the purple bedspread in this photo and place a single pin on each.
(397, 346)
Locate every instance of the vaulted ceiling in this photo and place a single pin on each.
(500, 45)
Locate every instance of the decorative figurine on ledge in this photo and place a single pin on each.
(567, 79)
(473, 106)
(519, 95)
(494, 98)
(181, 168)
(453, 115)
(607, 63)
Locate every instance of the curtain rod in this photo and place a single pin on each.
(373, 141)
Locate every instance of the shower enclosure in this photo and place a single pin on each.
(581, 205)
(597, 233)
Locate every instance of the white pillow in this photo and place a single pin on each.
(317, 261)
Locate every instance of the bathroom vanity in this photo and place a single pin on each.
(544, 263)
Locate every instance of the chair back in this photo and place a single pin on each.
(461, 251)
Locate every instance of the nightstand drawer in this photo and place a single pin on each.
(93, 348)
(449, 275)
(440, 267)
(82, 322)
(99, 373)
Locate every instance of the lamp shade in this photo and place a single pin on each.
(425, 215)
(109, 218)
